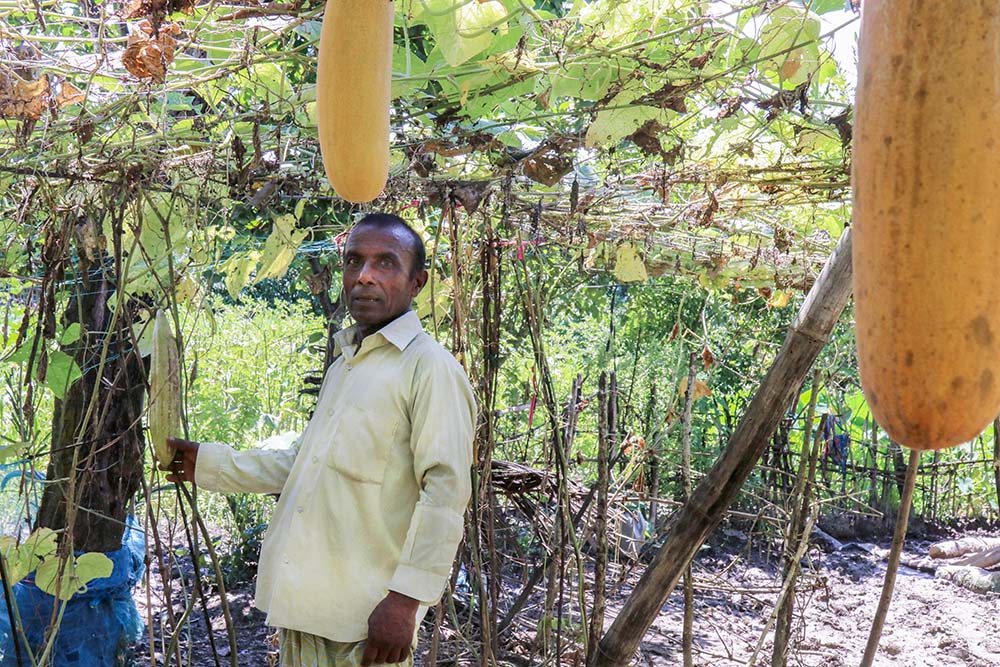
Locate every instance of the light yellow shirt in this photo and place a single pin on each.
(373, 492)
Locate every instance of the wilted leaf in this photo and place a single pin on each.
(629, 267)
(701, 390)
(779, 299)
(134, 9)
(548, 164)
(20, 99)
(707, 358)
(147, 56)
(69, 94)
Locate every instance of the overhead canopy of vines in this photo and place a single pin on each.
(639, 136)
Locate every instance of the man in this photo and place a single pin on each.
(374, 490)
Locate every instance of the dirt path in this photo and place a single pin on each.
(931, 623)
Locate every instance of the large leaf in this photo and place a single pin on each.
(789, 27)
(22, 559)
(279, 249)
(75, 574)
(61, 372)
(463, 31)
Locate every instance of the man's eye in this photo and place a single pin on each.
(351, 261)
(388, 262)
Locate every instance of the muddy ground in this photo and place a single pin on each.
(931, 622)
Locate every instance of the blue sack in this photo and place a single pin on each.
(98, 625)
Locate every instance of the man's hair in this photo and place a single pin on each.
(390, 221)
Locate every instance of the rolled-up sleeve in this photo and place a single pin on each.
(442, 425)
(223, 469)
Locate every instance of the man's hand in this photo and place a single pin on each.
(390, 630)
(186, 455)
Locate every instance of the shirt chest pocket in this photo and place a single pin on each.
(361, 444)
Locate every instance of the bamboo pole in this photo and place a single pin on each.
(687, 633)
(899, 536)
(600, 524)
(720, 487)
(797, 535)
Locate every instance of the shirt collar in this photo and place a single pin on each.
(399, 332)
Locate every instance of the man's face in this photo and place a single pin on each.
(379, 281)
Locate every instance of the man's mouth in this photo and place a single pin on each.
(366, 299)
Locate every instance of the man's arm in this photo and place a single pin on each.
(220, 468)
(443, 417)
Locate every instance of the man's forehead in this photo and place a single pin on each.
(386, 238)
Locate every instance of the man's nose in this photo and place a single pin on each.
(367, 274)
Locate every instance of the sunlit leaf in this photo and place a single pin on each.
(629, 267)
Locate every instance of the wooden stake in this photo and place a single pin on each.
(890, 570)
(721, 486)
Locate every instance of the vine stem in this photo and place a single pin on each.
(902, 519)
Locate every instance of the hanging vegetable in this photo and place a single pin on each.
(353, 91)
(926, 181)
(164, 389)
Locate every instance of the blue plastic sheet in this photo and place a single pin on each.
(98, 625)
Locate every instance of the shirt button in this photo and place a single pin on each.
(315, 459)
(299, 509)
(286, 560)
(349, 367)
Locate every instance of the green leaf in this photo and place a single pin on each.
(587, 81)
(440, 304)
(76, 574)
(24, 558)
(824, 6)
(788, 27)
(279, 249)
(238, 270)
(71, 334)
(62, 371)
(22, 353)
(93, 565)
(464, 32)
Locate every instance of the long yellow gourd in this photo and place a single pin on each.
(164, 389)
(926, 246)
(353, 85)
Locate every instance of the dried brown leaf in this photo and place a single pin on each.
(24, 100)
(135, 9)
(148, 56)
(707, 358)
(69, 94)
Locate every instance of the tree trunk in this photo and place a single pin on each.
(96, 461)
(717, 491)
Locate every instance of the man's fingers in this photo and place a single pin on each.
(368, 657)
(181, 444)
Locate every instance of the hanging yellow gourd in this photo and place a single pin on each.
(926, 246)
(164, 389)
(353, 84)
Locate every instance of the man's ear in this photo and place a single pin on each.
(419, 281)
